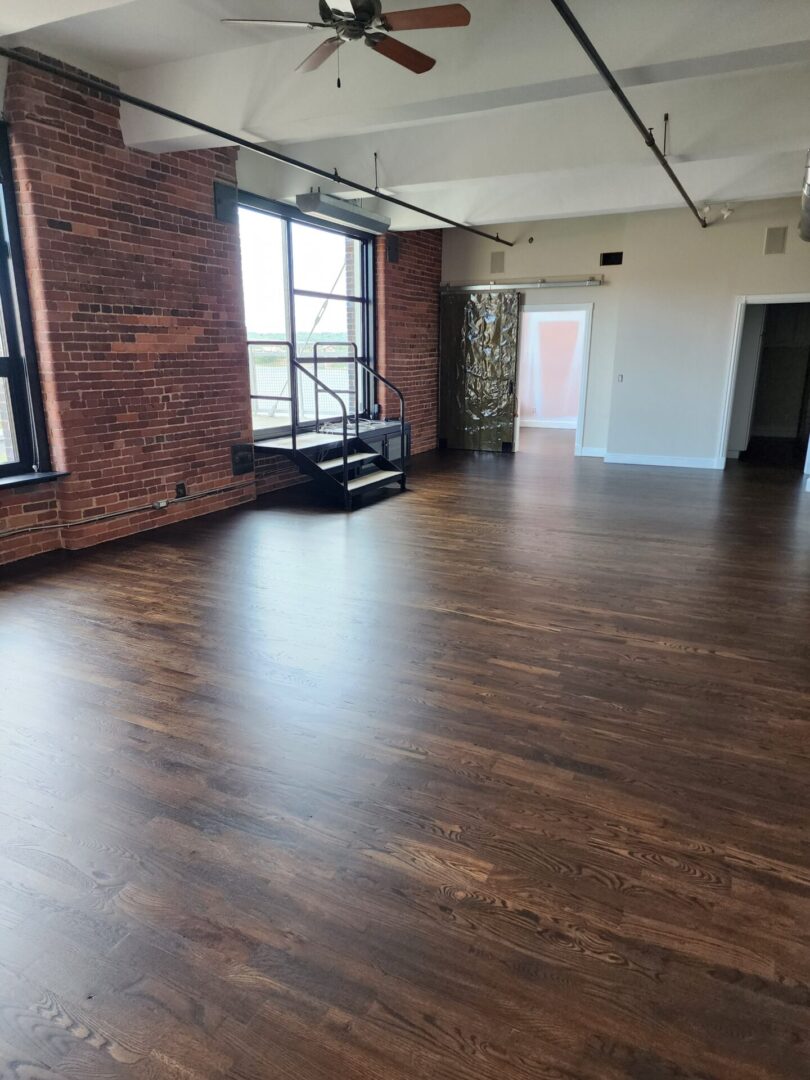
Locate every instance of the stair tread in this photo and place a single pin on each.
(305, 441)
(382, 476)
(352, 459)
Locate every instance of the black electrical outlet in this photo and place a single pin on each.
(181, 491)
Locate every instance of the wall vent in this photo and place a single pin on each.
(611, 258)
(776, 240)
(497, 262)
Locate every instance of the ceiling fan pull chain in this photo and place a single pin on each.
(338, 60)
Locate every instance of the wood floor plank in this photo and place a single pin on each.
(503, 779)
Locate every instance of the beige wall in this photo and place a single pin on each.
(664, 321)
(561, 248)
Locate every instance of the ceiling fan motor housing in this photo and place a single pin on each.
(353, 24)
(367, 22)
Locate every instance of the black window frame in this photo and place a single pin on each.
(20, 365)
(291, 215)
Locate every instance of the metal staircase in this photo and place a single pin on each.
(331, 450)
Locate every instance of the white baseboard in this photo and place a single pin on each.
(567, 424)
(591, 451)
(807, 485)
(668, 462)
(733, 455)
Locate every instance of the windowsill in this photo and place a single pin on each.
(25, 479)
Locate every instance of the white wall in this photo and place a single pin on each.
(664, 321)
(561, 248)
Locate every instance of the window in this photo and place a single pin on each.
(23, 446)
(310, 285)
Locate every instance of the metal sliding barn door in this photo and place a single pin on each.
(479, 350)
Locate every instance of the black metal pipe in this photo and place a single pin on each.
(100, 87)
(588, 46)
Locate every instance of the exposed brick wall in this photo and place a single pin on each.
(137, 307)
(276, 473)
(408, 329)
(22, 508)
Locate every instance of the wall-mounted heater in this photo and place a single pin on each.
(340, 212)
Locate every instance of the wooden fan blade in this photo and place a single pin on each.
(277, 22)
(427, 18)
(320, 55)
(400, 53)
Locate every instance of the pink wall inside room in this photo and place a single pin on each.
(551, 353)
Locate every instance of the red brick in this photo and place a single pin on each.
(407, 297)
(137, 309)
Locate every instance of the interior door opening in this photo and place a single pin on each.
(553, 372)
(770, 416)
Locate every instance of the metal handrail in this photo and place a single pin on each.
(339, 360)
(374, 374)
(288, 345)
(398, 392)
(295, 367)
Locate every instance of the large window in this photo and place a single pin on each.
(23, 447)
(309, 285)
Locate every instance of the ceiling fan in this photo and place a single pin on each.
(367, 21)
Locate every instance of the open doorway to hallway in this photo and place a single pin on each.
(552, 372)
(770, 417)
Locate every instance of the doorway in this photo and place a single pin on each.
(553, 368)
(770, 413)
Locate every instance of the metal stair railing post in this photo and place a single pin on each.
(344, 345)
(386, 382)
(293, 394)
(288, 345)
(375, 375)
(322, 385)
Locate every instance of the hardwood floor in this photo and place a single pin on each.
(507, 778)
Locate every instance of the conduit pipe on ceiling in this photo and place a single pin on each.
(113, 92)
(804, 221)
(576, 29)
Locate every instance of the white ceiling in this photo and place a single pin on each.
(512, 123)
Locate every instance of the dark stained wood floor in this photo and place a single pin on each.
(504, 779)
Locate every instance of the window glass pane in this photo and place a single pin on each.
(326, 321)
(326, 262)
(269, 377)
(8, 439)
(269, 370)
(339, 377)
(3, 338)
(268, 415)
(264, 273)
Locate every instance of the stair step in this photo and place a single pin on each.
(305, 441)
(352, 459)
(381, 476)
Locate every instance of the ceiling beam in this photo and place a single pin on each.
(646, 133)
(107, 89)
